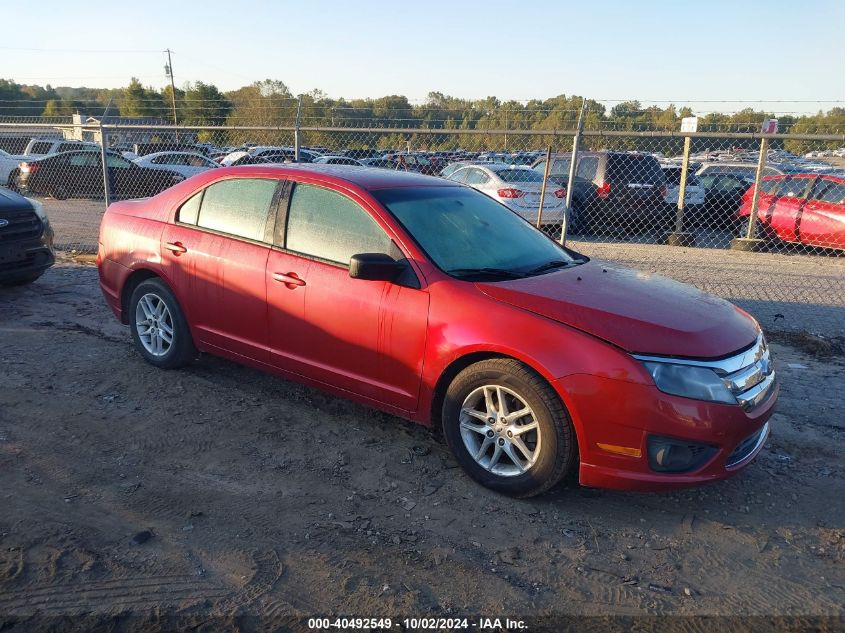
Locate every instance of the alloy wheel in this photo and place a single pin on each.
(154, 324)
(500, 431)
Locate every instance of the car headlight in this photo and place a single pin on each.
(689, 381)
(39, 209)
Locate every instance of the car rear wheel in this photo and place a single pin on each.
(507, 428)
(58, 192)
(158, 325)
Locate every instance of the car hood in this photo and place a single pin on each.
(639, 312)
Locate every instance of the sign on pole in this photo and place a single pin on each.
(770, 126)
(689, 124)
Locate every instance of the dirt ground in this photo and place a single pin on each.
(263, 497)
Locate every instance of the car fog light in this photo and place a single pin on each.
(666, 455)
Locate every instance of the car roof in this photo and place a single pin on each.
(154, 154)
(368, 178)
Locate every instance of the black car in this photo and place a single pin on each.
(80, 174)
(26, 240)
(612, 191)
(722, 198)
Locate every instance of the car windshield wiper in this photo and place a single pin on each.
(490, 272)
(555, 263)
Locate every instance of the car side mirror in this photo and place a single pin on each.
(375, 267)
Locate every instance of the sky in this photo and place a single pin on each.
(716, 54)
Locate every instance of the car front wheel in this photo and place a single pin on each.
(508, 428)
(158, 326)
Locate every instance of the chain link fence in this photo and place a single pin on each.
(756, 218)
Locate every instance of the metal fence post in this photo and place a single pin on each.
(104, 142)
(679, 237)
(573, 167)
(297, 140)
(543, 187)
(750, 242)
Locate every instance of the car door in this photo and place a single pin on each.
(822, 221)
(215, 254)
(79, 173)
(785, 209)
(366, 337)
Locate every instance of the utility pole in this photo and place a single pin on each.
(169, 72)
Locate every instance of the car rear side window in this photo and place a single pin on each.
(476, 177)
(770, 186)
(328, 225)
(587, 167)
(87, 159)
(459, 175)
(834, 193)
(190, 210)
(793, 187)
(238, 207)
(41, 148)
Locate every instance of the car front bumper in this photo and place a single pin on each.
(611, 415)
(24, 258)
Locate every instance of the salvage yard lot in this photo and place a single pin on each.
(261, 496)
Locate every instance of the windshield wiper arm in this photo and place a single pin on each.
(497, 272)
(555, 263)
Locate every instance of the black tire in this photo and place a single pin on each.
(58, 192)
(182, 350)
(578, 222)
(557, 450)
(22, 281)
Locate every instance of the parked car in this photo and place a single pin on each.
(613, 190)
(451, 168)
(336, 160)
(516, 188)
(26, 239)
(745, 170)
(269, 154)
(8, 169)
(806, 209)
(412, 162)
(694, 194)
(39, 147)
(381, 163)
(184, 163)
(434, 302)
(722, 197)
(80, 174)
(363, 153)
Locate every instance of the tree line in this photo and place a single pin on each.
(271, 103)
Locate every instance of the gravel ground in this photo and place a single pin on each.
(218, 490)
(788, 290)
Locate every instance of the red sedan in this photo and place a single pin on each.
(434, 302)
(804, 209)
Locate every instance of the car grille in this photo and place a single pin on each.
(750, 375)
(22, 225)
(747, 447)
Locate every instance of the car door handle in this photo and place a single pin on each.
(176, 248)
(291, 280)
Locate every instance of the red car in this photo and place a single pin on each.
(433, 302)
(804, 209)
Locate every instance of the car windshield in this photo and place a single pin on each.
(519, 175)
(456, 226)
